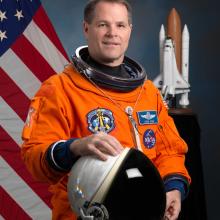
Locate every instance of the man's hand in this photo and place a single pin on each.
(100, 145)
(173, 206)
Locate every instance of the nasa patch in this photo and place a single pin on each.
(147, 117)
(149, 138)
(100, 119)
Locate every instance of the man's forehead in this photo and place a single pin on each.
(106, 11)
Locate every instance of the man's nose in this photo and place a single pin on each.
(112, 31)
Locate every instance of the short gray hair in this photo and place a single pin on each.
(91, 5)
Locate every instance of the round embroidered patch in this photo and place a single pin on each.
(100, 120)
(149, 138)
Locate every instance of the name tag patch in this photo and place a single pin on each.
(147, 117)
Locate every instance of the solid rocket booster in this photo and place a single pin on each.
(184, 100)
(185, 54)
(162, 37)
(174, 31)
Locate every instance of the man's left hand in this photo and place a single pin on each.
(173, 205)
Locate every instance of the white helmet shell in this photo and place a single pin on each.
(94, 186)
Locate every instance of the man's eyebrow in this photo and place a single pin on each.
(121, 22)
(105, 21)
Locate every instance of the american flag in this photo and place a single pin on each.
(30, 52)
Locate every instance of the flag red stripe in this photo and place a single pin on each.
(10, 151)
(42, 20)
(19, 102)
(32, 58)
(13, 95)
(9, 209)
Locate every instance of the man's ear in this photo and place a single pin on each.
(85, 28)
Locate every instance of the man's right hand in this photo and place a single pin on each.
(100, 145)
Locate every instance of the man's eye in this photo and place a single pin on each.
(102, 25)
(121, 26)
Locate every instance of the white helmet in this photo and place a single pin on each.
(124, 187)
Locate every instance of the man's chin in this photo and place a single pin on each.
(111, 60)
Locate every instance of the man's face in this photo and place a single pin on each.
(109, 33)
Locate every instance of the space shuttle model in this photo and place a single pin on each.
(173, 79)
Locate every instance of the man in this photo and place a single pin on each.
(98, 105)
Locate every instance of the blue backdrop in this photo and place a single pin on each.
(203, 21)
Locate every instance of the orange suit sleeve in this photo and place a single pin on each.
(46, 124)
(171, 148)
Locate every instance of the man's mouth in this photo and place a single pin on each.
(110, 43)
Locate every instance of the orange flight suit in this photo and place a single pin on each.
(66, 107)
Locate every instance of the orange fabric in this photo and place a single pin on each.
(61, 108)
